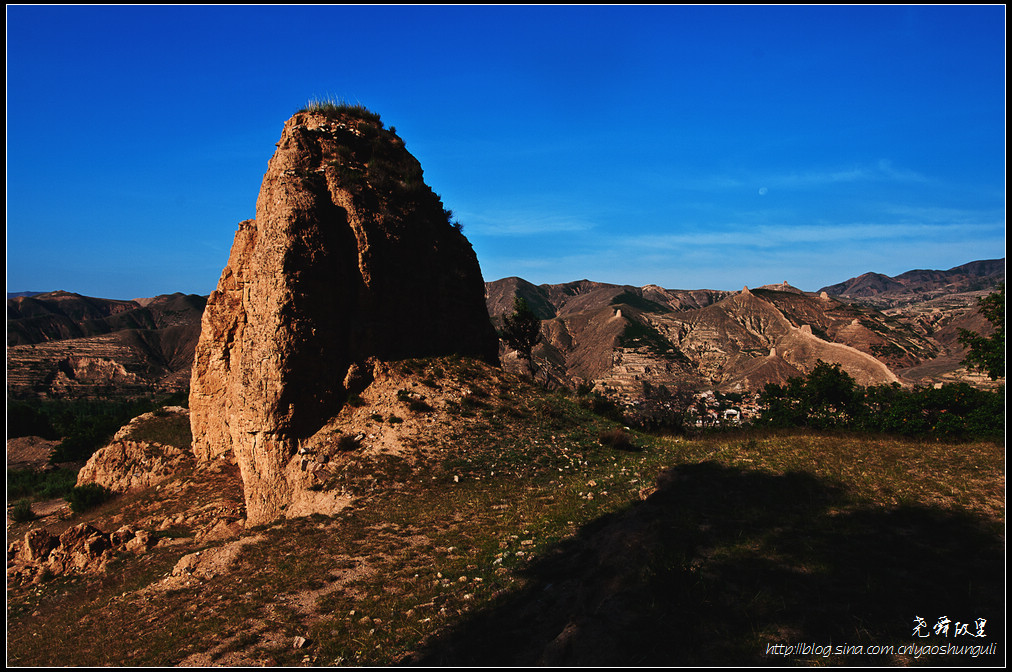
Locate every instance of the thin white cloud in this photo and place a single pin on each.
(940, 215)
(524, 224)
(881, 171)
(772, 236)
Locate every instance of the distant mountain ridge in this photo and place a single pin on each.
(623, 336)
(921, 285)
(65, 344)
(15, 295)
(629, 341)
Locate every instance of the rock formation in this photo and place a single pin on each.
(81, 549)
(350, 257)
(127, 464)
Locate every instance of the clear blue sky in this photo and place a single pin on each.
(690, 147)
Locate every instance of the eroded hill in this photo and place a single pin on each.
(634, 341)
(61, 344)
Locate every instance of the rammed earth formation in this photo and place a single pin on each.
(351, 257)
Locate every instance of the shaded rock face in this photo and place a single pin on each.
(350, 256)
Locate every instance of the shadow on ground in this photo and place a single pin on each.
(718, 564)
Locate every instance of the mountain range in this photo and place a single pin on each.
(920, 285)
(629, 342)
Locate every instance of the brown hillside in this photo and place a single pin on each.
(63, 344)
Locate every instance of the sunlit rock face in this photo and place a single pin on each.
(350, 256)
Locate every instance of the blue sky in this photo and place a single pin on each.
(689, 147)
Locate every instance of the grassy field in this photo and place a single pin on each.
(531, 541)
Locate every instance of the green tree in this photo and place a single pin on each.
(827, 397)
(521, 330)
(987, 353)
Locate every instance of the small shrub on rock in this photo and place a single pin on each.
(88, 496)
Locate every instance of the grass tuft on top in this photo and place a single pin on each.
(339, 106)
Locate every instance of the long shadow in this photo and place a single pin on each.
(718, 566)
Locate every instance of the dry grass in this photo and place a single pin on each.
(523, 540)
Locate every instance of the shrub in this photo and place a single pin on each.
(347, 442)
(829, 398)
(88, 496)
(618, 439)
(33, 484)
(601, 405)
(419, 406)
(22, 511)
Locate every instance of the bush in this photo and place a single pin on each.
(419, 406)
(88, 496)
(829, 398)
(38, 485)
(347, 442)
(618, 439)
(22, 511)
(603, 406)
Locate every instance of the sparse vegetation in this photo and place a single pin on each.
(829, 398)
(987, 353)
(639, 302)
(87, 496)
(337, 106)
(641, 334)
(521, 330)
(38, 485)
(22, 512)
(164, 428)
(523, 520)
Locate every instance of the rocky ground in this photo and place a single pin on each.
(528, 534)
(29, 452)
